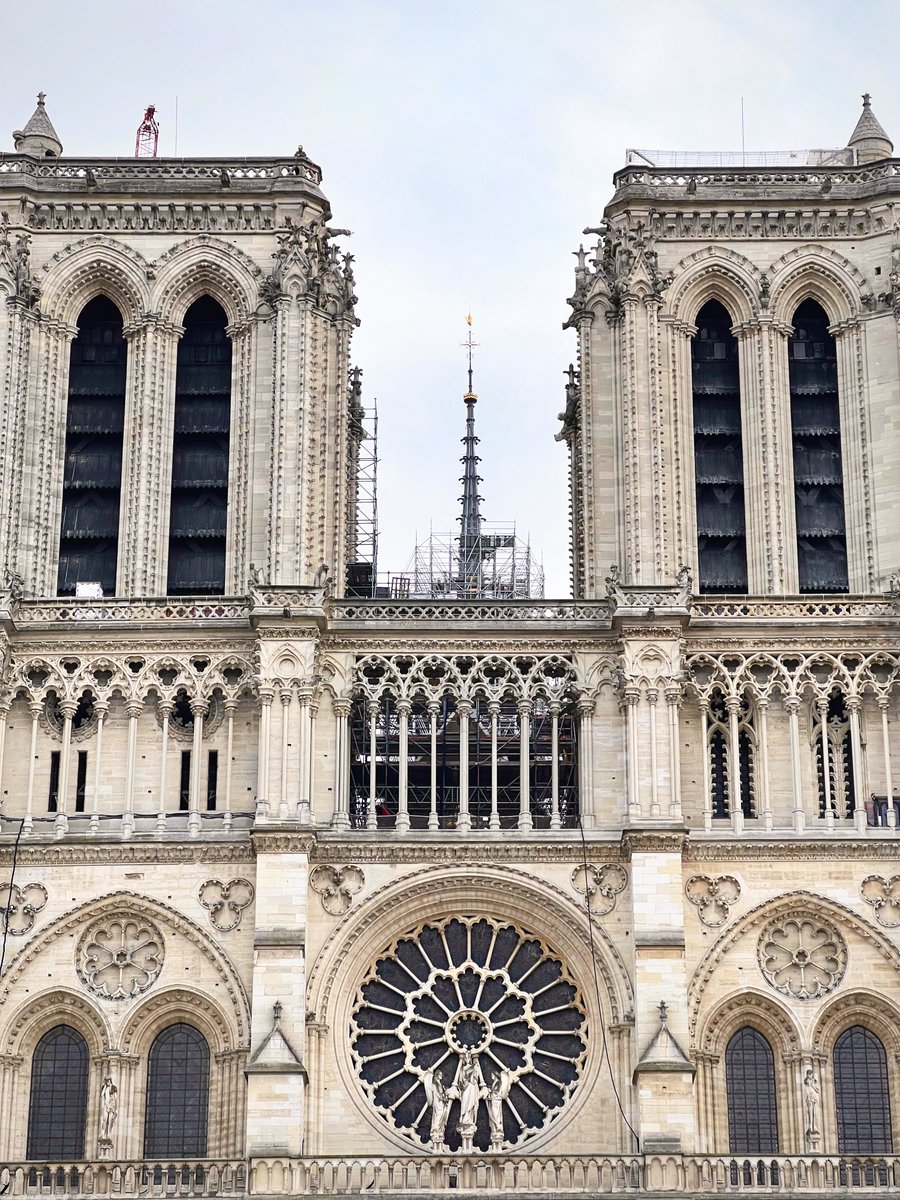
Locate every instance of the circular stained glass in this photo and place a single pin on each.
(467, 1034)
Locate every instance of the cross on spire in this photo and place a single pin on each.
(41, 97)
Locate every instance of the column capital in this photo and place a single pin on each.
(199, 706)
(133, 709)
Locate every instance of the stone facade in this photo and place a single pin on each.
(236, 813)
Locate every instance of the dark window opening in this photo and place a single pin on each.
(720, 759)
(750, 1085)
(92, 472)
(840, 792)
(81, 780)
(212, 779)
(58, 1102)
(718, 453)
(818, 470)
(861, 1093)
(184, 790)
(53, 791)
(199, 505)
(177, 1094)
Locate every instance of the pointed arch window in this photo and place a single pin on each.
(92, 471)
(723, 759)
(818, 467)
(750, 1083)
(718, 453)
(175, 1125)
(861, 1094)
(198, 514)
(58, 1100)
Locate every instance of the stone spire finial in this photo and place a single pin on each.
(869, 139)
(38, 138)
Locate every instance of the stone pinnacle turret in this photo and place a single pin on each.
(38, 138)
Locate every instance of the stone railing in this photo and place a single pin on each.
(113, 610)
(793, 608)
(467, 612)
(780, 179)
(153, 170)
(693, 1176)
(195, 1177)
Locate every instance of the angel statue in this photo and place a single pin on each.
(494, 1096)
(437, 1096)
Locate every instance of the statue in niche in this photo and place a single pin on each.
(438, 1097)
(494, 1097)
(109, 1111)
(811, 1102)
(469, 1089)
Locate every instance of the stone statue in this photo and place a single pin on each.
(109, 1108)
(321, 579)
(468, 1088)
(14, 584)
(494, 1097)
(811, 1102)
(437, 1096)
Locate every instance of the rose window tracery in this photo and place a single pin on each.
(803, 956)
(468, 1034)
(120, 956)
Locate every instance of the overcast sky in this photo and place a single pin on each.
(466, 144)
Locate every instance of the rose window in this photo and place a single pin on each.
(802, 957)
(468, 1034)
(120, 956)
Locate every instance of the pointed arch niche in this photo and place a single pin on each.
(200, 454)
(817, 453)
(92, 472)
(718, 453)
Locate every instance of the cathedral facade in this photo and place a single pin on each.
(308, 891)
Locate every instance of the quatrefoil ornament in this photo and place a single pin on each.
(884, 896)
(337, 886)
(225, 902)
(713, 896)
(20, 905)
(602, 885)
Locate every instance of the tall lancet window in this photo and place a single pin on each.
(818, 475)
(92, 473)
(718, 453)
(200, 453)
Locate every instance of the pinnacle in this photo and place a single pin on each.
(38, 132)
(868, 127)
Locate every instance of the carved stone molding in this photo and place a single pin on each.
(119, 956)
(884, 896)
(713, 896)
(225, 902)
(600, 885)
(19, 906)
(651, 841)
(52, 854)
(802, 956)
(336, 886)
(364, 848)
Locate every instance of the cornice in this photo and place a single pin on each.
(792, 850)
(653, 841)
(50, 854)
(471, 849)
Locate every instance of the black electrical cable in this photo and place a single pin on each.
(12, 882)
(590, 921)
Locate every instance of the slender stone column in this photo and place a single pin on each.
(555, 820)
(230, 706)
(632, 698)
(883, 704)
(101, 709)
(67, 708)
(707, 786)
(403, 709)
(652, 698)
(286, 695)
(306, 754)
(762, 709)
(372, 816)
(464, 819)
(341, 819)
(494, 821)
(36, 708)
(4, 713)
(266, 696)
(735, 807)
(792, 704)
(199, 709)
(673, 703)
(526, 821)
(166, 708)
(860, 820)
(585, 799)
(133, 710)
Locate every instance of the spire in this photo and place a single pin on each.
(38, 138)
(470, 522)
(869, 139)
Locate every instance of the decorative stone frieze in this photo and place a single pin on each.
(19, 907)
(336, 886)
(713, 896)
(600, 885)
(884, 896)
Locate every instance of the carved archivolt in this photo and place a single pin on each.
(749, 1007)
(600, 885)
(713, 896)
(468, 1033)
(821, 273)
(20, 905)
(790, 673)
(492, 677)
(714, 273)
(884, 896)
(225, 902)
(336, 886)
(119, 956)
